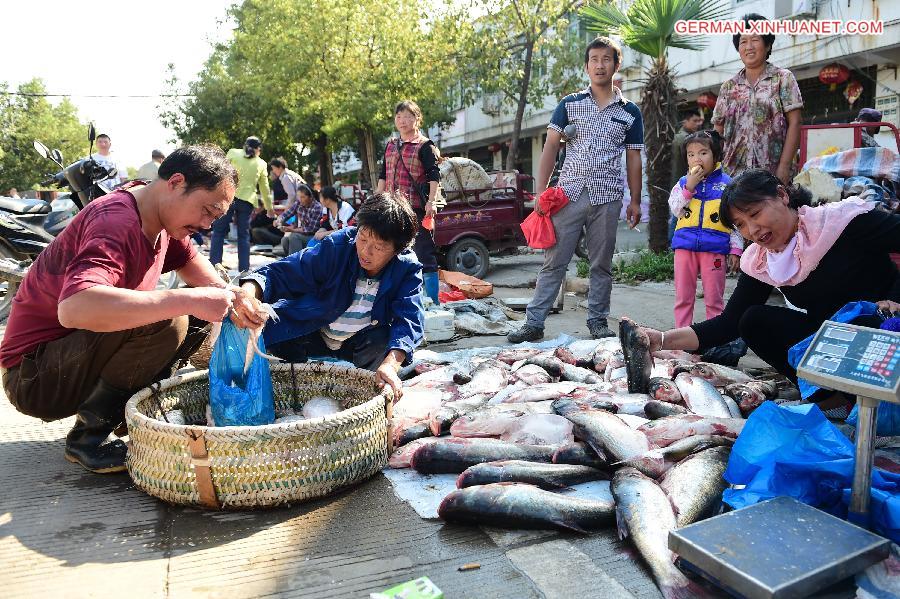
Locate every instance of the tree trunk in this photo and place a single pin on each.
(659, 112)
(368, 171)
(326, 172)
(513, 154)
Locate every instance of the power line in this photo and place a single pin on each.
(33, 95)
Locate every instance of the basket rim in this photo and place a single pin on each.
(132, 414)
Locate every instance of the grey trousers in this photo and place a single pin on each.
(601, 222)
(294, 242)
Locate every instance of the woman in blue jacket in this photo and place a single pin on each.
(355, 296)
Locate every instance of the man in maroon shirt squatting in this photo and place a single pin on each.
(88, 327)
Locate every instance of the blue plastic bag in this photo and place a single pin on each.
(237, 398)
(796, 452)
(887, 420)
(846, 314)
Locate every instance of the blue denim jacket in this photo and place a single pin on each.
(312, 288)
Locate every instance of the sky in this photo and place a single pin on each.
(82, 49)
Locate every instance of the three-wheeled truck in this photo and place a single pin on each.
(478, 222)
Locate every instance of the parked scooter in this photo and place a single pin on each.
(28, 226)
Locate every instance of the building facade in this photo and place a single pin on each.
(481, 131)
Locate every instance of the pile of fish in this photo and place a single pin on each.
(519, 424)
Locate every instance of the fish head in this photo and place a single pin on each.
(704, 371)
(663, 389)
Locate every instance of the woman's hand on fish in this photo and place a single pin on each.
(655, 338)
(888, 307)
(247, 312)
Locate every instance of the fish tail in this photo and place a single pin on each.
(621, 525)
(685, 589)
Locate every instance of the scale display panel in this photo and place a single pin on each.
(854, 359)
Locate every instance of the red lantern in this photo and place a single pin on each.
(706, 101)
(833, 75)
(494, 148)
(853, 91)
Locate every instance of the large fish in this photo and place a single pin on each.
(412, 410)
(539, 429)
(718, 375)
(565, 354)
(404, 435)
(579, 375)
(580, 454)
(644, 513)
(665, 431)
(605, 350)
(673, 366)
(488, 378)
(532, 374)
(402, 456)
(607, 432)
(541, 392)
(733, 409)
(453, 455)
(636, 349)
(443, 417)
(583, 350)
(695, 484)
(625, 403)
(685, 447)
(752, 394)
(525, 506)
(675, 354)
(660, 409)
(511, 356)
(437, 377)
(664, 389)
(701, 397)
(545, 476)
(564, 405)
(489, 421)
(547, 361)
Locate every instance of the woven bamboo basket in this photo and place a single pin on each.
(259, 466)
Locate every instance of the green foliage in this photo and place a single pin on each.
(648, 267)
(523, 51)
(24, 118)
(648, 26)
(583, 267)
(326, 72)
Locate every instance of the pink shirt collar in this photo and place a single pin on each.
(817, 231)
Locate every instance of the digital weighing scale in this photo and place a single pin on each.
(782, 548)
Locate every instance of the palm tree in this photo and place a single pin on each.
(648, 27)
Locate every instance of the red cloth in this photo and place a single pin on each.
(538, 228)
(451, 296)
(103, 245)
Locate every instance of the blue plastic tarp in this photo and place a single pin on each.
(796, 452)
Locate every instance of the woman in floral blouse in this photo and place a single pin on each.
(759, 111)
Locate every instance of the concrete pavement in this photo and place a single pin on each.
(65, 532)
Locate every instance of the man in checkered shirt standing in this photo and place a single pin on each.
(591, 177)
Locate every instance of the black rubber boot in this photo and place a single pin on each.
(97, 416)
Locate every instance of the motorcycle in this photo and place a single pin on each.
(27, 226)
